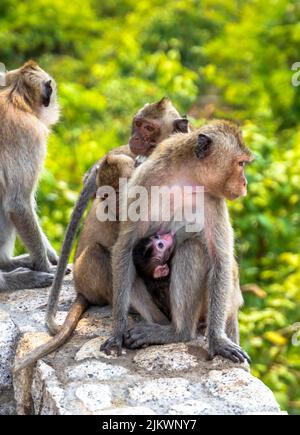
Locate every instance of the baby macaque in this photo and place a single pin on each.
(151, 256)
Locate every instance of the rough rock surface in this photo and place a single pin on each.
(9, 334)
(79, 379)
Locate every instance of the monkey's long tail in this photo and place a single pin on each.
(77, 309)
(85, 196)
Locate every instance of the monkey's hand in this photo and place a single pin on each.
(113, 344)
(224, 347)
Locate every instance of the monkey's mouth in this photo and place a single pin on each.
(143, 148)
(231, 196)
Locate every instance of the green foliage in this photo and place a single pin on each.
(216, 58)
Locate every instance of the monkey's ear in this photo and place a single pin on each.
(181, 125)
(162, 104)
(30, 64)
(46, 93)
(203, 146)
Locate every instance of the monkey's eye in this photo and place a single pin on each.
(160, 245)
(242, 164)
(138, 122)
(156, 237)
(149, 128)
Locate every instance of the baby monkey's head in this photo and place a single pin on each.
(151, 256)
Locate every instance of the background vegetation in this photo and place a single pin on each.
(214, 58)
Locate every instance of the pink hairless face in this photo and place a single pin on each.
(163, 245)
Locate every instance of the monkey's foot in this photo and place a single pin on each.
(113, 344)
(226, 348)
(52, 257)
(136, 336)
(143, 334)
(23, 278)
(53, 269)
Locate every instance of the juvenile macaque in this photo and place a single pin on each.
(28, 108)
(213, 156)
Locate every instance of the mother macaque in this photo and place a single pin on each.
(213, 156)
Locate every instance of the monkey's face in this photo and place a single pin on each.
(236, 184)
(145, 134)
(148, 133)
(162, 246)
(154, 123)
(223, 155)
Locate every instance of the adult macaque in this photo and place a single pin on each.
(28, 108)
(213, 156)
(92, 266)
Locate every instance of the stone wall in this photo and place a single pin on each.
(79, 379)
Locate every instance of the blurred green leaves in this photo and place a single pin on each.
(214, 58)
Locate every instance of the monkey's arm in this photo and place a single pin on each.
(143, 303)
(124, 275)
(85, 195)
(124, 280)
(22, 215)
(220, 284)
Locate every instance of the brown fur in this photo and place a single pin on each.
(211, 156)
(28, 107)
(92, 267)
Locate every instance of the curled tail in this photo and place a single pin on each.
(77, 309)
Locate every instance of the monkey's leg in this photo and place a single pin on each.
(235, 302)
(7, 242)
(93, 278)
(51, 253)
(93, 275)
(80, 207)
(220, 289)
(25, 221)
(185, 293)
(143, 303)
(23, 261)
(21, 279)
(232, 329)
